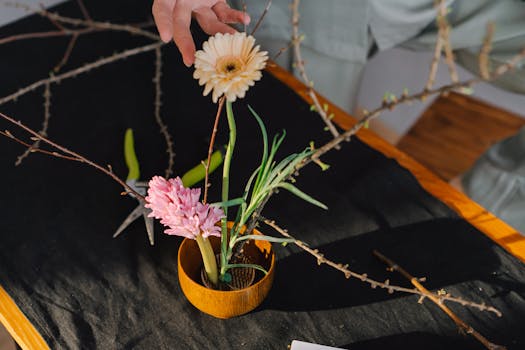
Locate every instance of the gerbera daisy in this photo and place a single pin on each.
(229, 64)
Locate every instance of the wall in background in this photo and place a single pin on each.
(10, 14)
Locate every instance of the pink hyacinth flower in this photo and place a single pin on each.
(179, 208)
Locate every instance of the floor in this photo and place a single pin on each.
(6, 343)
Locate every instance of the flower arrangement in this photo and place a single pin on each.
(227, 66)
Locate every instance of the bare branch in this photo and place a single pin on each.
(35, 35)
(435, 62)
(444, 34)
(484, 69)
(84, 10)
(157, 103)
(67, 53)
(64, 150)
(85, 68)
(462, 325)
(299, 63)
(33, 149)
(54, 17)
(210, 148)
(321, 259)
(45, 125)
(261, 18)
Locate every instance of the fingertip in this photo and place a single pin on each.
(165, 36)
(188, 54)
(188, 61)
(246, 19)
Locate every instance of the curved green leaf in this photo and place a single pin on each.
(130, 156)
(301, 194)
(197, 173)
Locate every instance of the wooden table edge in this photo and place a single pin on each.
(18, 326)
(500, 232)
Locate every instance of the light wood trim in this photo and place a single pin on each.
(503, 234)
(18, 326)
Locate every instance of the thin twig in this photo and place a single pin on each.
(67, 53)
(84, 10)
(102, 25)
(85, 68)
(505, 67)
(157, 103)
(49, 34)
(45, 125)
(75, 155)
(484, 69)
(36, 35)
(321, 259)
(444, 34)
(435, 62)
(299, 63)
(87, 23)
(33, 149)
(244, 14)
(210, 148)
(462, 325)
(261, 18)
(53, 22)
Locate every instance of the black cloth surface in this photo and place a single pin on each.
(82, 289)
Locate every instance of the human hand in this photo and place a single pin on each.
(173, 18)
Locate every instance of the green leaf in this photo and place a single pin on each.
(276, 143)
(229, 203)
(253, 266)
(226, 278)
(290, 167)
(301, 194)
(264, 238)
(265, 146)
(198, 173)
(130, 156)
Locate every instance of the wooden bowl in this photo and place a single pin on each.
(224, 304)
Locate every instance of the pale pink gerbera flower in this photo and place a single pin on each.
(229, 64)
(179, 208)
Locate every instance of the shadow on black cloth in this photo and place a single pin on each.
(299, 272)
(83, 289)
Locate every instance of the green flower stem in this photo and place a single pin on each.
(208, 258)
(226, 183)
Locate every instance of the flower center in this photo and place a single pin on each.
(229, 64)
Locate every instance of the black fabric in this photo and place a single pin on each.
(82, 289)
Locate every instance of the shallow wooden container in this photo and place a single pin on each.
(224, 304)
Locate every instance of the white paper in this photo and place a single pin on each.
(301, 345)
